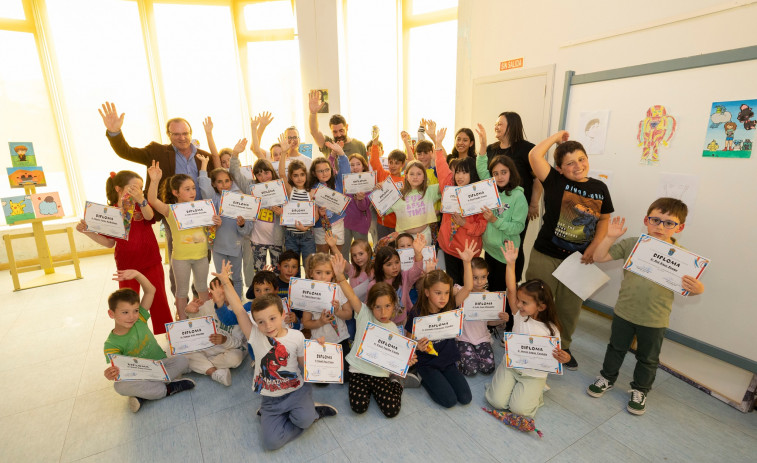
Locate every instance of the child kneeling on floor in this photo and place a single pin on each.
(132, 337)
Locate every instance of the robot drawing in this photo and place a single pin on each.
(652, 131)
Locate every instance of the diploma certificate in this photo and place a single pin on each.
(362, 182)
(407, 256)
(484, 306)
(474, 197)
(323, 364)
(190, 335)
(105, 220)
(270, 193)
(664, 263)
(193, 214)
(533, 352)
(138, 369)
(332, 200)
(444, 325)
(383, 199)
(449, 200)
(235, 204)
(298, 211)
(385, 349)
(310, 295)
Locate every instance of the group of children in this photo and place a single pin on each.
(372, 287)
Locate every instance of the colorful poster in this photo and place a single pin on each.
(730, 129)
(17, 208)
(22, 154)
(592, 130)
(18, 176)
(47, 205)
(655, 129)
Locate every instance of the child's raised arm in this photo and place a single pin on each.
(152, 193)
(284, 142)
(147, 288)
(232, 298)
(257, 127)
(466, 255)
(615, 229)
(511, 254)
(339, 264)
(207, 124)
(538, 155)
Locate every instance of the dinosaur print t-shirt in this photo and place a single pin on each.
(277, 371)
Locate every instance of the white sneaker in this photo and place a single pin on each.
(252, 364)
(135, 403)
(223, 376)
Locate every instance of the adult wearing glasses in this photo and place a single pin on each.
(338, 126)
(293, 138)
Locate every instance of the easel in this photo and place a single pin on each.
(46, 263)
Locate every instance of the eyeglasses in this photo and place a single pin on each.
(323, 171)
(293, 138)
(182, 134)
(665, 223)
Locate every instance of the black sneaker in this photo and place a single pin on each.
(571, 364)
(174, 387)
(135, 403)
(325, 410)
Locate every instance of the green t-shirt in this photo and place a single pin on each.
(641, 301)
(138, 342)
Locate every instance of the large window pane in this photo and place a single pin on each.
(199, 66)
(269, 15)
(12, 9)
(373, 82)
(431, 79)
(26, 115)
(427, 6)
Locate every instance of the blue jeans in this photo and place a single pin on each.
(446, 387)
(302, 243)
(236, 269)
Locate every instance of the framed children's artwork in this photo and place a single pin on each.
(22, 154)
(47, 205)
(730, 129)
(17, 208)
(306, 149)
(19, 176)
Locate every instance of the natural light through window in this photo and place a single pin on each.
(269, 15)
(427, 6)
(11, 9)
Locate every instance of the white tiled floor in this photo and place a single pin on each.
(57, 406)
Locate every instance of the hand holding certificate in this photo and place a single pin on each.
(234, 205)
(484, 306)
(532, 352)
(664, 263)
(362, 182)
(386, 349)
(474, 197)
(138, 369)
(443, 325)
(449, 200)
(105, 220)
(407, 256)
(193, 214)
(323, 363)
(298, 211)
(310, 295)
(582, 279)
(190, 335)
(384, 198)
(270, 193)
(332, 200)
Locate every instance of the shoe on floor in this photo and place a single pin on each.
(412, 380)
(174, 387)
(223, 376)
(325, 410)
(135, 403)
(258, 413)
(571, 364)
(638, 403)
(599, 387)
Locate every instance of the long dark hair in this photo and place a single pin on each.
(467, 165)
(472, 148)
(383, 255)
(171, 184)
(313, 178)
(433, 277)
(514, 132)
(542, 294)
(514, 175)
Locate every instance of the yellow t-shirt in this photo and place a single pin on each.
(188, 244)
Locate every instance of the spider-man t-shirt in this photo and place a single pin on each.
(277, 371)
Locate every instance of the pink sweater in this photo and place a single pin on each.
(409, 277)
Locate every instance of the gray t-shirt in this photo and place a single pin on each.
(353, 146)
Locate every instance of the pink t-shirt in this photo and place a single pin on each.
(475, 332)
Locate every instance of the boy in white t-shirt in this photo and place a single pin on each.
(287, 407)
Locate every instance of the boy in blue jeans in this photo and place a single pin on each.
(132, 337)
(643, 307)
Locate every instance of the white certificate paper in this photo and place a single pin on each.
(444, 325)
(271, 193)
(298, 211)
(383, 199)
(105, 220)
(472, 198)
(190, 335)
(533, 352)
(362, 182)
(193, 214)
(310, 295)
(449, 200)
(484, 306)
(386, 349)
(235, 204)
(332, 200)
(323, 364)
(664, 263)
(582, 279)
(407, 256)
(138, 369)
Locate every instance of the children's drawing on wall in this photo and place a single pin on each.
(19, 176)
(603, 175)
(22, 154)
(679, 186)
(17, 208)
(47, 205)
(730, 129)
(655, 129)
(592, 130)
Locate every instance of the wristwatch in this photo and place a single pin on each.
(143, 203)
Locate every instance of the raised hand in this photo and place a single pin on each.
(338, 264)
(216, 293)
(314, 101)
(123, 275)
(419, 242)
(430, 265)
(617, 227)
(330, 240)
(405, 137)
(193, 306)
(154, 171)
(440, 136)
(561, 137)
(207, 124)
(481, 131)
(239, 147)
(264, 119)
(336, 148)
(284, 142)
(203, 161)
(111, 119)
(430, 128)
(469, 252)
(225, 274)
(510, 252)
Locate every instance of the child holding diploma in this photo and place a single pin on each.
(521, 390)
(322, 175)
(287, 406)
(227, 244)
(367, 379)
(190, 246)
(131, 336)
(386, 223)
(357, 218)
(140, 251)
(299, 238)
(415, 210)
(643, 307)
(441, 378)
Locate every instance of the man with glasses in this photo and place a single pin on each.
(293, 137)
(338, 126)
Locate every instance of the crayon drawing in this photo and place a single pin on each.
(18, 176)
(17, 208)
(22, 154)
(658, 127)
(47, 205)
(730, 129)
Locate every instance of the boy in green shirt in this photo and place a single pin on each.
(132, 337)
(643, 307)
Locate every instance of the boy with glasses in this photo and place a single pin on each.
(643, 307)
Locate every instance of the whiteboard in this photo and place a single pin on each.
(722, 222)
